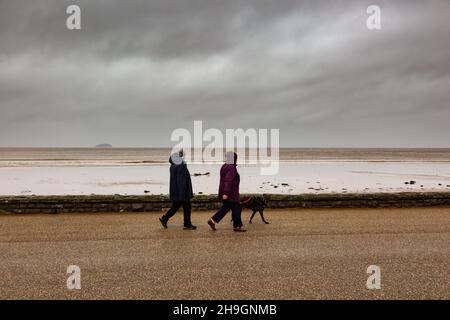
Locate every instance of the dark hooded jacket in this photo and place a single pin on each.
(229, 181)
(180, 180)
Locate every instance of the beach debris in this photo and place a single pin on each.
(439, 184)
(200, 192)
(202, 174)
(412, 182)
(285, 184)
(146, 191)
(448, 186)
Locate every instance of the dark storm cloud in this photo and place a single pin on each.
(139, 69)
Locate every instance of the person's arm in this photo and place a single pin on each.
(228, 181)
(182, 181)
(188, 182)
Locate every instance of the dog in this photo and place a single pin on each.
(256, 204)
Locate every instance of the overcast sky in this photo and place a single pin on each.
(139, 69)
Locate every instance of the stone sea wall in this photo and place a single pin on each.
(117, 203)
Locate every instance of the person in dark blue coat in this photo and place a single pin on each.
(180, 191)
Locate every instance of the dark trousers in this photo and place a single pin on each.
(235, 212)
(186, 211)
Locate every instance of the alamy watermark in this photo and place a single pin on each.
(373, 22)
(257, 147)
(74, 279)
(374, 279)
(73, 21)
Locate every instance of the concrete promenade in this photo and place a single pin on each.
(302, 254)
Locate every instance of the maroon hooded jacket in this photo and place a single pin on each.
(229, 180)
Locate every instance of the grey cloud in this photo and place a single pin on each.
(139, 69)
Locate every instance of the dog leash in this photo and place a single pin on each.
(246, 200)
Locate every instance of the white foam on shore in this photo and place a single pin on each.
(294, 177)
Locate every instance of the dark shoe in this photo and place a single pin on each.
(212, 225)
(191, 227)
(240, 229)
(164, 223)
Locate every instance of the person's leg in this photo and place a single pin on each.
(221, 212)
(187, 213)
(171, 212)
(236, 212)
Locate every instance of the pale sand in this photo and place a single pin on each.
(292, 178)
(317, 254)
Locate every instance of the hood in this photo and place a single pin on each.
(231, 158)
(175, 158)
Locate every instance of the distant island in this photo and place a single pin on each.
(103, 145)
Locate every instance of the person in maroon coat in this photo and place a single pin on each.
(229, 194)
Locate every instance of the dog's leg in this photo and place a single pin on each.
(262, 216)
(251, 218)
